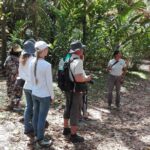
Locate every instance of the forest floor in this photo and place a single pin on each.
(127, 129)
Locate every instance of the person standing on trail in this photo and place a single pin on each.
(74, 96)
(84, 113)
(42, 91)
(11, 66)
(26, 57)
(116, 68)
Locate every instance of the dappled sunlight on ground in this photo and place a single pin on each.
(145, 139)
(140, 74)
(95, 114)
(111, 143)
(124, 90)
(127, 129)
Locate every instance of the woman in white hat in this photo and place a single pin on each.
(42, 91)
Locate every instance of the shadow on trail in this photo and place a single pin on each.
(121, 127)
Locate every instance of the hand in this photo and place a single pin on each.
(109, 68)
(122, 79)
(89, 77)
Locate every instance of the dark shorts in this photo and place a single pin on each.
(73, 105)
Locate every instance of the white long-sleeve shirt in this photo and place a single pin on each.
(44, 86)
(24, 73)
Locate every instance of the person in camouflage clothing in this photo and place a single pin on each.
(11, 65)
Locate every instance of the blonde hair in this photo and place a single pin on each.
(23, 59)
(37, 54)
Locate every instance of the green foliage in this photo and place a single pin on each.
(103, 26)
(16, 36)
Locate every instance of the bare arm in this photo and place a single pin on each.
(124, 71)
(82, 78)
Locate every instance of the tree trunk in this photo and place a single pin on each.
(34, 17)
(4, 37)
(84, 24)
(129, 2)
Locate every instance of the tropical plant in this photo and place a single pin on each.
(103, 26)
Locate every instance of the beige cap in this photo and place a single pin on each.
(16, 48)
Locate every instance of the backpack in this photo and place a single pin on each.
(64, 81)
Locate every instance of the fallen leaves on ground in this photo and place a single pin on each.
(127, 129)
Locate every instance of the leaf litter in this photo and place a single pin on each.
(127, 129)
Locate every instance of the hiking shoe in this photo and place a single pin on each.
(66, 131)
(45, 143)
(76, 138)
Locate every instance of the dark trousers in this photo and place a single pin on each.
(114, 81)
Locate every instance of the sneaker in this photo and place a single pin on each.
(66, 131)
(76, 138)
(45, 142)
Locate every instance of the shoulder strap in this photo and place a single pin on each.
(114, 63)
(70, 69)
(70, 61)
(35, 69)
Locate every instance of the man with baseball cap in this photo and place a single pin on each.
(74, 99)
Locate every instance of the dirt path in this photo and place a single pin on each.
(128, 129)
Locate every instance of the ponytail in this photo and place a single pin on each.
(35, 65)
(23, 59)
(38, 55)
